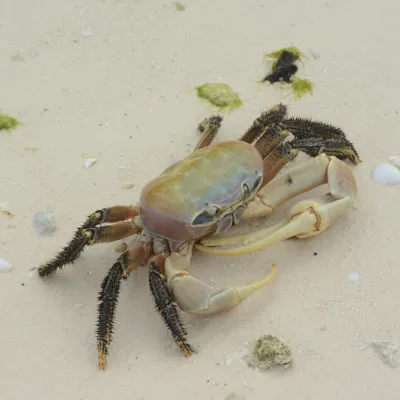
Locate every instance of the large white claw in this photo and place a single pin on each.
(306, 218)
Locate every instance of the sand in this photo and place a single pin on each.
(113, 80)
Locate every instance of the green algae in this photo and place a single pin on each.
(219, 95)
(8, 123)
(179, 6)
(292, 49)
(302, 87)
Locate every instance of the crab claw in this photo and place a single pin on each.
(196, 297)
(308, 175)
(306, 218)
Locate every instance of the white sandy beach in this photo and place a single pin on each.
(113, 80)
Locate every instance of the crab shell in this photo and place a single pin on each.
(203, 194)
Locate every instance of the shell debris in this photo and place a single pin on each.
(386, 173)
(5, 266)
(88, 162)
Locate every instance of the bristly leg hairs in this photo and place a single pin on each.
(166, 306)
(88, 234)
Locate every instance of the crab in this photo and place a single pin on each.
(191, 204)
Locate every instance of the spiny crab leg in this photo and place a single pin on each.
(196, 297)
(306, 218)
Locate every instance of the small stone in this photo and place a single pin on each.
(269, 352)
(43, 223)
(5, 266)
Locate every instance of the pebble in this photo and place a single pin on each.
(43, 223)
(386, 173)
(5, 266)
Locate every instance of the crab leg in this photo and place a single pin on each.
(110, 288)
(209, 128)
(163, 297)
(196, 297)
(306, 218)
(89, 233)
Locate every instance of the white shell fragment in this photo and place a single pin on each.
(395, 160)
(88, 162)
(5, 266)
(353, 276)
(86, 33)
(43, 223)
(386, 173)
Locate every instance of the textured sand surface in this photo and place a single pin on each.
(113, 80)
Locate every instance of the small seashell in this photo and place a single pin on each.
(395, 160)
(127, 186)
(386, 173)
(5, 266)
(88, 162)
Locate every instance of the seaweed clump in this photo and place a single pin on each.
(219, 95)
(7, 123)
(284, 70)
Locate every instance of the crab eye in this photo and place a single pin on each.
(204, 218)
